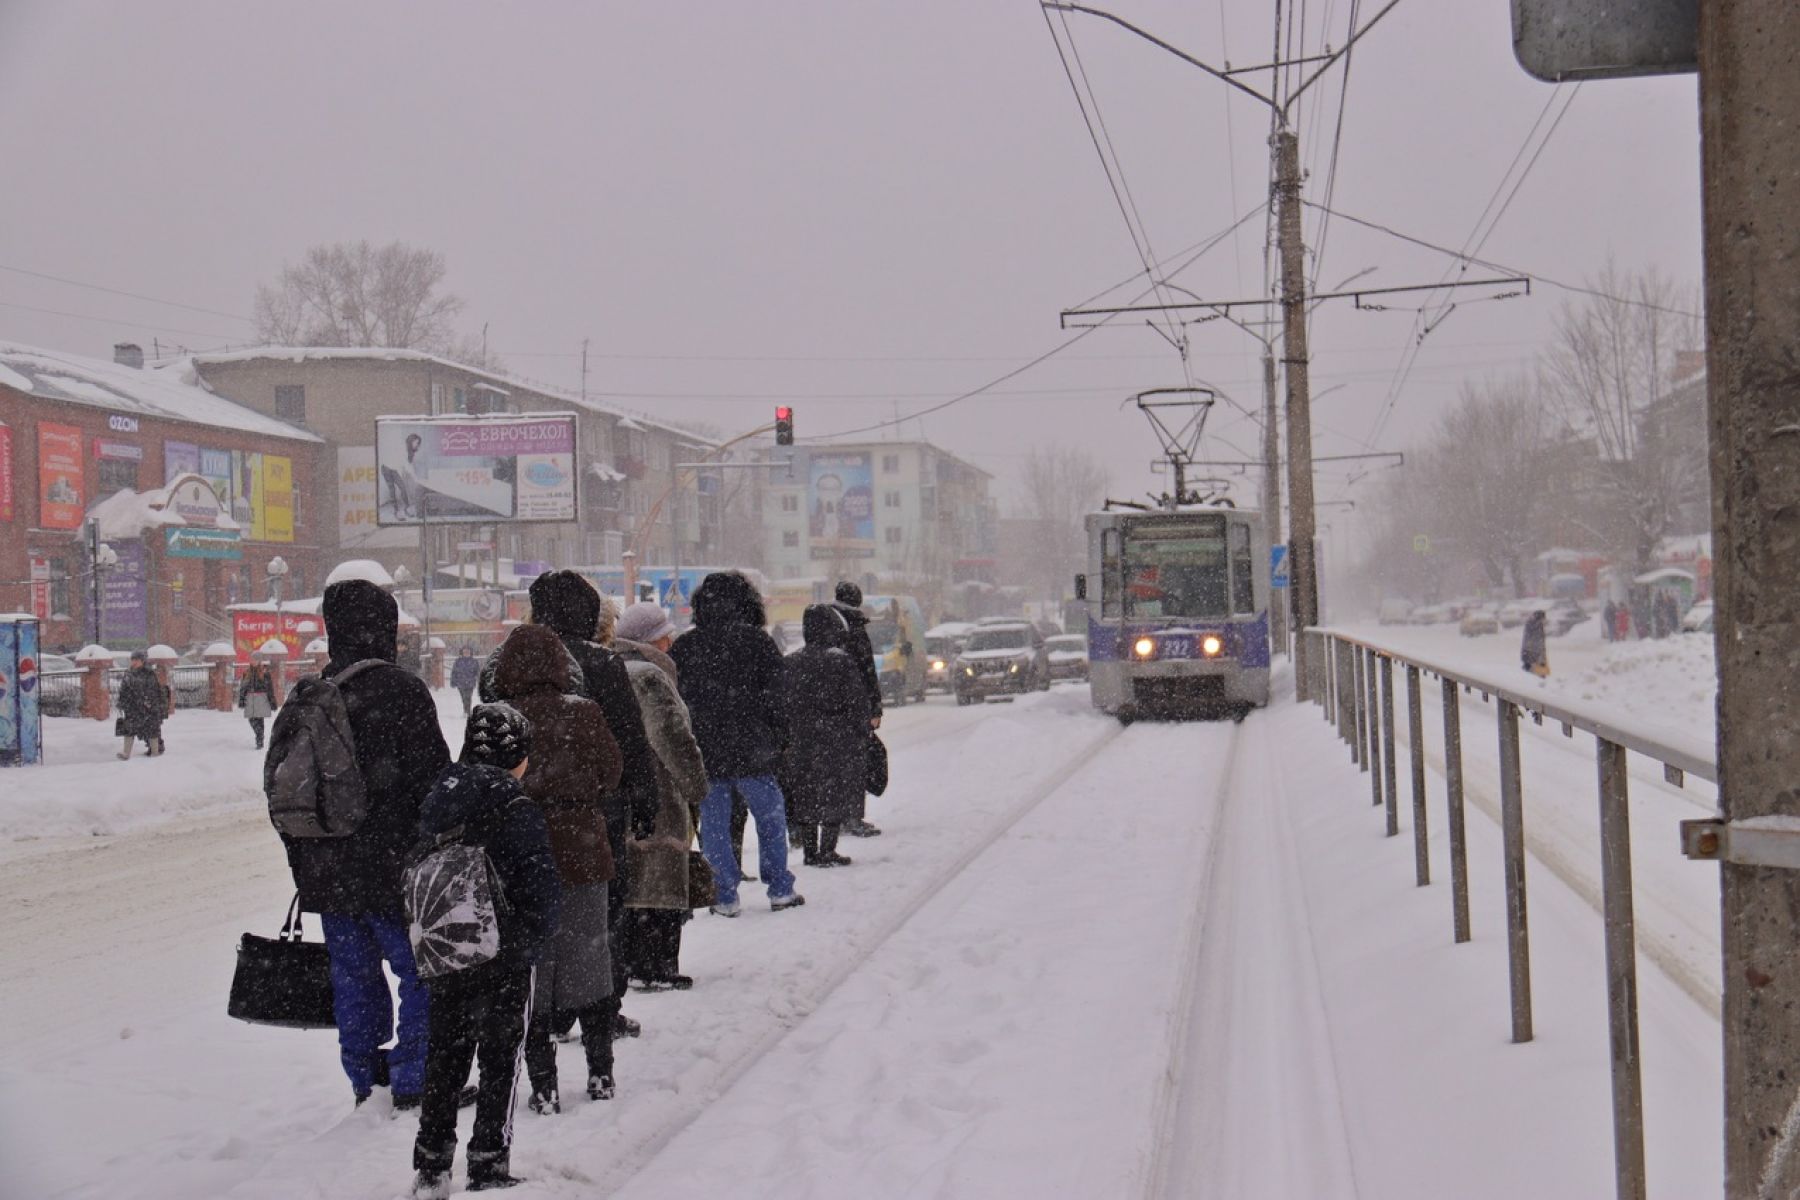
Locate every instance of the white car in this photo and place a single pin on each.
(1068, 656)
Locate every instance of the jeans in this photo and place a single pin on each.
(481, 1021)
(763, 797)
(363, 1006)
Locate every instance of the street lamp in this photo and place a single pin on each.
(277, 571)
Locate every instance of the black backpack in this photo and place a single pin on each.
(310, 775)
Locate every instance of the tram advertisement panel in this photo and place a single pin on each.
(458, 470)
(841, 504)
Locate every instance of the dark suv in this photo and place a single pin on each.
(1001, 658)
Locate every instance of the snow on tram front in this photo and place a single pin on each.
(1177, 611)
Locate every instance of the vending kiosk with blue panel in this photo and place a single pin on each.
(21, 729)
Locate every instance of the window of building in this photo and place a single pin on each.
(290, 403)
(890, 464)
(117, 474)
(791, 539)
(59, 588)
(890, 499)
(460, 399)
(790, 503)
(894, 535)
(437, 399)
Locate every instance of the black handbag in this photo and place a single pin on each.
(878, 766)
(283, 980)
(703, 887)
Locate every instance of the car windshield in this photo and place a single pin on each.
(1067, 642)
(1000, 639)
(883, 635)
(937, 647)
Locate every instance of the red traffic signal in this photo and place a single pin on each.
(784, 425)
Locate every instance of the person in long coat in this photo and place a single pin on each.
(256, 696)
(1534, 654)
(825, 767)
(574, 766)
(143, 703)
(465, 673)
(658, 903)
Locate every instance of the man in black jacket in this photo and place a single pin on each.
(730, 674)
(353, 882)
(849, 602)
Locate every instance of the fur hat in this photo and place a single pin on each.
(644, 621)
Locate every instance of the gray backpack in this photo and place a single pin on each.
(454, 903)
(310, 775)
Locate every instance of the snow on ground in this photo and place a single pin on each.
(1173, 961)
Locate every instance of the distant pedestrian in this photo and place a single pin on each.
(849, 599)
(825, 769)
(1621, 623)
(731, 679)
(256, 696)
(1608, 622)
(574, 768)
(465, 673)
(1534, 654)
(353, 881)
(480, 1012)
(143, 703)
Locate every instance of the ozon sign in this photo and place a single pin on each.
(120, 424)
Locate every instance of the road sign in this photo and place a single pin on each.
(1605, 39)
(1278, 566)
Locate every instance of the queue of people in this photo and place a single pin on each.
(603, 743)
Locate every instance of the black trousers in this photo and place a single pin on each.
(819, 840)
(657, 938)
(484, 1020)
(596, 1043)
(256, 727)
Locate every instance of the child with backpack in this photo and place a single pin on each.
(482, 898)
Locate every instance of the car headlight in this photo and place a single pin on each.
(1144, 647)
(1012, 668)
(937, 664)
(1210, 646)
(968, 670)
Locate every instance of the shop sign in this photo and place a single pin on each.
(123, 451)
(120, 424)
(6, 474)
(124, 595)
(40, 588)
(202, 543)
(195, 502)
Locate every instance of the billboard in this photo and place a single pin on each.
(6, 474)
(124, 595)
(458, 470)
(356, 492)
(60, 479)
(180, 458)
(840, 500)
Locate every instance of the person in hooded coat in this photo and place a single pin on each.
(353, 882)
(1534, 654)
(849, 599)
(730, 676)
(574, 767)
(825, 769)
(143, 703)
(658, 904)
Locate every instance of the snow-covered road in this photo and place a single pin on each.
(1169, 961)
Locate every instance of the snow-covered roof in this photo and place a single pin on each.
(162, 653)
(1662, 573)
(54, 375)
(127, 514)
(273, 646)
(218, 650)
(93, 653)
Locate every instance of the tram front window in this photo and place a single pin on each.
(1178, 571)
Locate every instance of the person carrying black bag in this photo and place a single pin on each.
(825, 766)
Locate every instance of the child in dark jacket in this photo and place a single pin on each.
(482, 1012)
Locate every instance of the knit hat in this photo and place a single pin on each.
(849, 593)
(644, 621)
(498, 736)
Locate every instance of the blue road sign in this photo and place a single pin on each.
(1278, 566)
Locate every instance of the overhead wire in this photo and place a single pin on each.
(113, 291)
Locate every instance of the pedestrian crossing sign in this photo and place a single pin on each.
(1278, 566)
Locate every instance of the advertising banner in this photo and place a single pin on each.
(458, 470)
(459, 610)
(840, 499)
(215, 468)
(275, 498)
(40, 588)
(6, 474)
(61, 484)
(180, 458)
(356, 503)
(250, 629)
(124, 596)
(21, 733)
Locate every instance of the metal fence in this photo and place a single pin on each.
(1352, 680)
(59, 693)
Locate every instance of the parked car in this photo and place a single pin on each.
(1068, 656)
(1698, 619)
(1432, 614)
(1001, 658)
(59, 686)
(1478, 621)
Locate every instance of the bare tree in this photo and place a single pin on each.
(1610, 370)
(1061, 485)
(357, 294)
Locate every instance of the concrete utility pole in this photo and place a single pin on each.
(1304, 570)
(1750, 157)
(1278, 605)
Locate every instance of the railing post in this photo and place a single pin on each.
(1453, 801)
(1372, 680)
(1621, 971)
(1346, 710)
(1415, 736)
(1512, 828)
(1327, 696)
(1389, 785)
(1359, 696)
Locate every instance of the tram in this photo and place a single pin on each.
(1177, 603)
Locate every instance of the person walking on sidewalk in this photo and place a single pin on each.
(1534, 653)
(730, 677)
(143, 703)
(480, 1013)
(826, 766)
(353, 882)
(465, 673)
(256, 696)
(849, 599)
(574, 767)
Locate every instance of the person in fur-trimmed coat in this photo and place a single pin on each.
(825, 769)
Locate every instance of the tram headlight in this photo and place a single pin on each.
(1210, 645)
(1144, 647)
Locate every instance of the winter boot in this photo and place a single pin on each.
(488, 1171)
(624, 1026)
(430, 1185)
(545, 1103)
(792, 900)
(729, 909)
(601, 1087)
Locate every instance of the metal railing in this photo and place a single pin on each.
(59, 693)
(1352, 680)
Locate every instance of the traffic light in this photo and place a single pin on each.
(784, 426)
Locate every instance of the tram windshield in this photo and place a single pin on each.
(1177, 569)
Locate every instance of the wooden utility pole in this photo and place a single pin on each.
(1304, 580)
(1750, 189)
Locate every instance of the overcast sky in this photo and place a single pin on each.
(865, 208)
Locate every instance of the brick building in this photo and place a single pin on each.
(195, 496)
